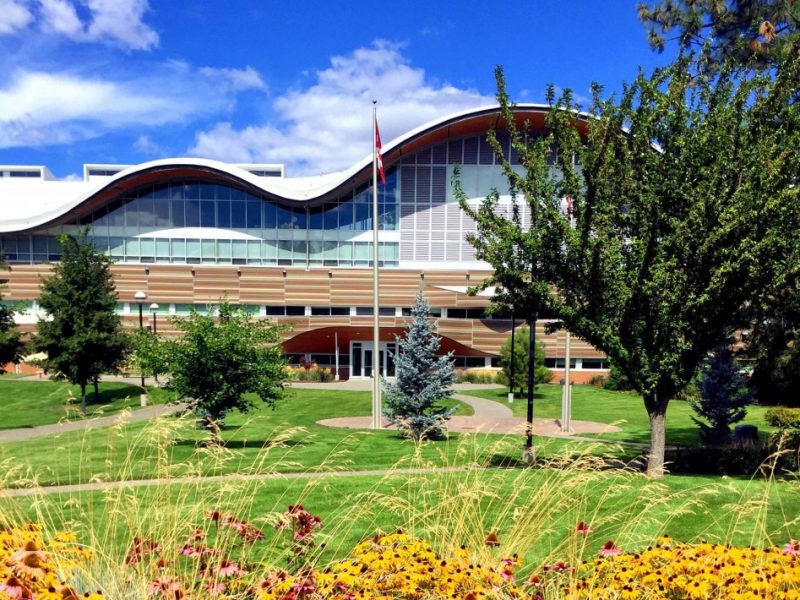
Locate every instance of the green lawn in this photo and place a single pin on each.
(534, 511)
(624, 409)
(31, 403)
(287, 439)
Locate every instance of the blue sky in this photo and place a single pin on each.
(126, 81)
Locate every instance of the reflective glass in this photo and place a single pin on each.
(238, 214)
(254, 214)
(223, 214)
(192, 213)
(207, 214)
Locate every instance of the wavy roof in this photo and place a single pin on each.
(29, 205)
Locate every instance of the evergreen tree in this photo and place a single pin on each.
(82, 334)
(11, 344)
(522, 344)
(423, 378)
(723, 397)
(220, 358)
(749, 32)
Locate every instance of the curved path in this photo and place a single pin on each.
(140, 414)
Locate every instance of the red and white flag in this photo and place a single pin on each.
(378, 157)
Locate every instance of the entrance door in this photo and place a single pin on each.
(361, 359)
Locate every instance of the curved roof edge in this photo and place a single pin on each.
(292, 190)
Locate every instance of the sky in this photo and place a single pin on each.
(281, 81)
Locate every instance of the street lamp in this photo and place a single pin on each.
(140, 298)
(153, 309)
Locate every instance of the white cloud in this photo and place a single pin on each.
(236, 79)
(115, 22)
(60, 16)
(14, 15)
(39, 109)
(145, 145)
(328, 126)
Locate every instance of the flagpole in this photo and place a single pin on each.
(376, 382)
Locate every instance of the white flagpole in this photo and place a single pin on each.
(376, 341)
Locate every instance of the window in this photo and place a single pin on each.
(384, 311)
(330, 310)
(435, 311)
(558, 363)
(594, 363)
(465, 313)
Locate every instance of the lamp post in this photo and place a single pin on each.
(140, 298)
(153, 309)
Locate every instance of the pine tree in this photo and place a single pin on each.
(423, 379)
(724, 397)
(11, 344)
(82, 335)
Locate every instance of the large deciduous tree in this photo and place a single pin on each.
(684, 209)
(424, 378)
(222, 357)
(11, 344)
(81, 335)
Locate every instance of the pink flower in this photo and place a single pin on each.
(536, 582)
(13, 588)
(583, 529)
(215, 588)
(793, 547)
(610, 549)
(189, 550)
(229, 569)
(507, 574)
(165, 586)
(558, 567)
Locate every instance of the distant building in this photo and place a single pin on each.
(188, 232)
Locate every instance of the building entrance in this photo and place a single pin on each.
(361, 359)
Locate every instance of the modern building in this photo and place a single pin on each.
(187, 232)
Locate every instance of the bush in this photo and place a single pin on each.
(783, 418)
(476, 376)
(309, 374)
(597, 381)
(617, 381)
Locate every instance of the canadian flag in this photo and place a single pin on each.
(378, 157)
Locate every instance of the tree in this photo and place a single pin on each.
(150, 353)
(424, 378)
(750, 32)
(522, 344)
(774, 345)
(11, 345)
(723, 397)
(684, 210)
(82, 334)
(220, 358)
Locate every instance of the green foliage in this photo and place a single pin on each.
(684, 210)
(478, 376)
(82, 335)
(522, 344)
(150, 353)
(724, 397)
(220, 358)
(617, 381)
(11, 345)
(751, 32)
(783, 418)
(423, 379)
(774, 345)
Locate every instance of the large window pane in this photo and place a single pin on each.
(284, 249)
(270, 217)
(284, 217)
(298, 218)
(192, 249)
(207, 214)
(209, 250)
(178, 213)
(254, 214)
(238, 214)
(223, 250)
(223, 213)
(178, 249)
(346, 215)
(315, 218)
(331, 217)
(239, 248)
(269, 250)
(161, 208)
(132, 248)
(192, 213)
(253, 249)
(148, 247)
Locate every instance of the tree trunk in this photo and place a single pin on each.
(96, 390)
(657, 411)
(83, 399)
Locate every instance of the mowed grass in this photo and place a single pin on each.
(623, 409)
(534, 511)
(32, 403)
(287, 439)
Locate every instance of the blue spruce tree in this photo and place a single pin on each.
(423, 379)
(724, 397)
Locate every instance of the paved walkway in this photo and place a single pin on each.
(140, 414)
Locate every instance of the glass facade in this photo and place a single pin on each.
(204, 222)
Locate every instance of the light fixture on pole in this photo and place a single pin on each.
(153, 309)
(140, 297)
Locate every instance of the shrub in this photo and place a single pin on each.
(522, 343)
(617, 381)
(783, 418)
(476, 376)
(597, 380)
